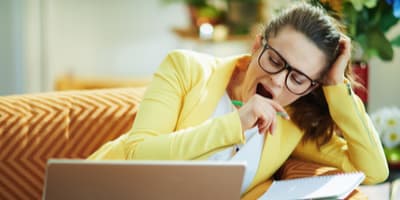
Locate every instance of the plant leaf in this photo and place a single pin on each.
(387, 19)
(357, 4)
(370, 3)
(396, 41)
(350, 19)
(378, 41)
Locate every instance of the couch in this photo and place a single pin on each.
(73, 124)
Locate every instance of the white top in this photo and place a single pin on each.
(224, 107)
(249, 152)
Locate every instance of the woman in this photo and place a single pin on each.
(298, 68)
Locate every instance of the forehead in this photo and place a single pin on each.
(299, 51)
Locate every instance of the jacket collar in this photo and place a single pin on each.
(204, 98)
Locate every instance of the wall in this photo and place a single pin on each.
(11, 81)
(42, 39)
(126, 38)
(32, 46)
(384, 83)
(130, 37)
(385, 79)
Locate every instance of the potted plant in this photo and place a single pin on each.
(366, 22)
(387, 123)
(238, 15)
(202, 11)
(243, 14)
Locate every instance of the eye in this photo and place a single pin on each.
(274, 60)
(297, 78)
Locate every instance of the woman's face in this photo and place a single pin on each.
(306, 60)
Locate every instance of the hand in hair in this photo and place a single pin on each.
(337, 71)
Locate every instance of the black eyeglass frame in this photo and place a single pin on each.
(314, 83)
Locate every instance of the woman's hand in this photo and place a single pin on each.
(261, 112)
(336, 73)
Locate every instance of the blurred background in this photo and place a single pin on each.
(48, 45)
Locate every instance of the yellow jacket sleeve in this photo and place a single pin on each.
(360, 148)
(156, 133)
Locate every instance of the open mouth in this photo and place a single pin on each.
(263, 92)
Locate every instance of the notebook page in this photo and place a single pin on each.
(329, 186)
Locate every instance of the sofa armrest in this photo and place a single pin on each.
(36, 127)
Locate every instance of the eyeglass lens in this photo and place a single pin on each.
(271, 62)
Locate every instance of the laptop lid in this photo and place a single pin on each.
(83, 179)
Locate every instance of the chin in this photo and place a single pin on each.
(287, 102)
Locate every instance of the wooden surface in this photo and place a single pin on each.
(69, 82)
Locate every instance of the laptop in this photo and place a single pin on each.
(83, 179)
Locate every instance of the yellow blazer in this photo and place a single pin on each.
(173, 123)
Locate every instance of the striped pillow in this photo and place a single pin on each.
(34, 128)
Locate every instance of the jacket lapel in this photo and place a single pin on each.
(201, 102)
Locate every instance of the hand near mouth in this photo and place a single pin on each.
(261, 112)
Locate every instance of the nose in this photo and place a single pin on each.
(278, 79)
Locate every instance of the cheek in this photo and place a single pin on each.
(254, 69)
(253, 76)
(254, 73)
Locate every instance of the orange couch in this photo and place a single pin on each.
(36, 127)
(73, 124)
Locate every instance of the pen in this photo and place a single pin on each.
(240, 103)
(237, 103)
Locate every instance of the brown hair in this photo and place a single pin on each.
(311, 112)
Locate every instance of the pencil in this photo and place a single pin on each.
(240, 104)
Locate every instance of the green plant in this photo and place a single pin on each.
(196, 3)
(387, 123)
(366, 22)
(205, 2)
(201, 11)
(238, 15)
(245, 1)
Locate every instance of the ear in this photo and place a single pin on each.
(257, 44)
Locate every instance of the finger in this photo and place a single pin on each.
(344, 51)
(262, 130)
(279, 110)
(265, 129)
(262, 124)
(270, 115)
(337, 72)
(273, 126)
(344, 47)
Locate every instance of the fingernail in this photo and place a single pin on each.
(284, 115)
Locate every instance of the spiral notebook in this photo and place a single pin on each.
(319, 187)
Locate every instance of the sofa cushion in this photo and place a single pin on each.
(34, 128)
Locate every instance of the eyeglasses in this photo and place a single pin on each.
(272, 62)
